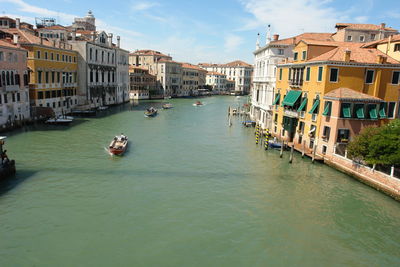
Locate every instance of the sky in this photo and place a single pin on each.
(217, 31)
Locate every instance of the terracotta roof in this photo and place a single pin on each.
(330, 43)
(9, 44)
(358, 26)
(164, 60)
(148, 52)
(55, 27)
(26, 37)
(350, 95)
(394, 38)
(236, 63)
(215, 73)
(191, 66)
(307, 35)
(357, 55)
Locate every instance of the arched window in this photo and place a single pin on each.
(12, 78)
(8, 78)
(17, 79)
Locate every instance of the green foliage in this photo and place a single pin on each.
(377, 145)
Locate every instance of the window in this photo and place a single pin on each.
(280, 51)
(38, 54)
(40, 95)
(396, 47)
(304, 55)
(58, 57)
(295, 55)
(343, 135)
(1, 56)
(326, 133)
(362, 38)
(391, 109)
(39, 76)
(349, 38)
(333, 77)
(373, 35)
(308, 74)
(345, 111)
(320, 69)
(280, 74)
(395, 77)
(45, 55)
(46, 75)
(369, 77)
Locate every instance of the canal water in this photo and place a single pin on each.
(190, 191)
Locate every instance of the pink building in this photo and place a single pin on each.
(14, 84)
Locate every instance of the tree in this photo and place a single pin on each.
(377, 145)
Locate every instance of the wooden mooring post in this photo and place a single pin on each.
(304, 149)
(281, 153)
(291, 154)
(313, 153)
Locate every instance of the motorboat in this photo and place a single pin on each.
(61, 120)
(274, 144)
(102, 108)
(167, 106)
(118, 145)
(198, 103)
(150, 112)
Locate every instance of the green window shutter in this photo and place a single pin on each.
(314, 107)
(327, 110)
(280, 74)
(308, 70)
(360, 111)
(382, 110)
(346, 110)
(291, 98)
(320, 69)
(373, 113)
(276, 101)
(302, 105)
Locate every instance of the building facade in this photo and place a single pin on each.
(193, 78)
(217, 81)
(332, 90)
(362, 33)
(169, 77)
(122, 72)
(14, 84)
(237, 71)
(264, 76)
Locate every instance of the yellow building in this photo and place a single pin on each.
(330, 91)
(389, 46)
(53, 70)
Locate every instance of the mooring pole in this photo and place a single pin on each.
(281, 154)
(291, 154)
(304, 149)
(313, 153)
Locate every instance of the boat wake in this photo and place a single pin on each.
(108, 152)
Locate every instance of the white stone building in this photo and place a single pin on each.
(122, 73)
(169, 77)
(264, 76)
(238, 71)
(217, 81)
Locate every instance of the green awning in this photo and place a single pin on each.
(373, 114)
(314, 107)
(276, 99)
(346, 110)
(327, 110)
(382, 110)
(291, 98)
(360, 111)
(302, 105)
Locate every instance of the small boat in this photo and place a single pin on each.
(150, 112)
(198, 103)
(102, 108)
(167, 106)
(7, 166)
(65, 117)
(273, 144)
(118, 145)
(60, 120)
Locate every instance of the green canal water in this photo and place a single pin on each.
(190, 191)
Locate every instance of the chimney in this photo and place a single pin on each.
(41, 40)
(347, 55)
(73, 34)
(383, 26)
(275, 37)
(118, 41)
(381, 59)
(110, 37)
(15, 38)
(17, 23)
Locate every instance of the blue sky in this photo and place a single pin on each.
(207, 30)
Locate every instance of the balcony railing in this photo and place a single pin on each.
(296, 83)
(291, 113)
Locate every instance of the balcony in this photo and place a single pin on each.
(10, 88)
(296, 83)
(291, 113)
